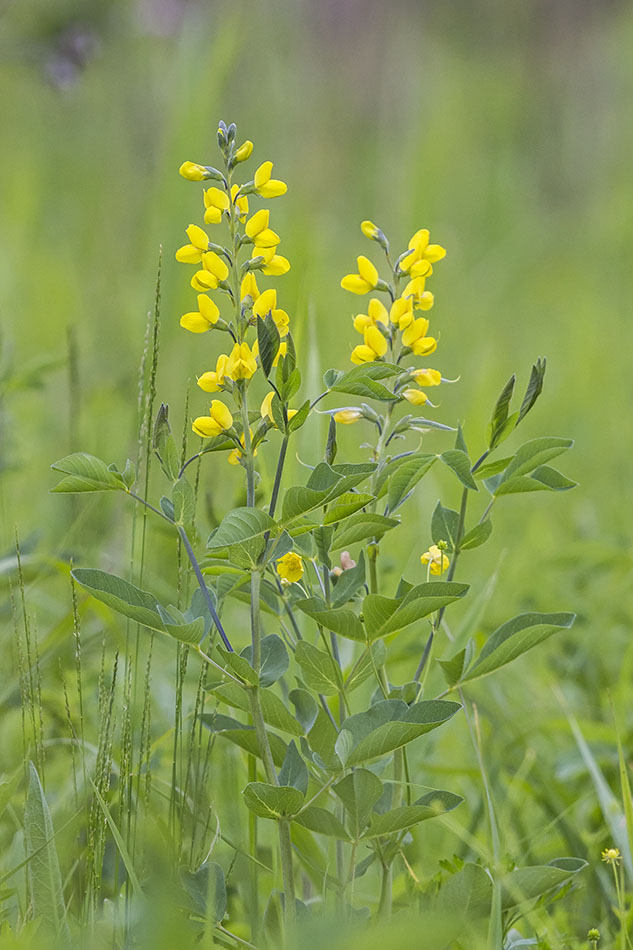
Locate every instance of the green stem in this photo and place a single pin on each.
(277, 483)
(252, 844)
(248, 452)
(203, 587)
(386, 882)
(290, 910)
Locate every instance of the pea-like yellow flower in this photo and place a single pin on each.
(216, 203)
(415, 337)
(401, 312)
(240, 202)
(266, 412)
(417, 397)
(248, 287)
(290, 567)
(374, 347)
(199, 243)
(218, 421)
(266, 186)
(214, 270)
(212, 381)
(611, 856)
(436, 559)
(364, 281)
(202, 319)
(347, 416)
(193, 172)
(421, 299)
(376, 313)
(267, 303)
(422, 251)
(427, 377)
(244, 151)
(242, 363)
(258, 231)
(369, 229)
(235, 456)
(276, 266)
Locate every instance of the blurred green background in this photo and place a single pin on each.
(503, 127)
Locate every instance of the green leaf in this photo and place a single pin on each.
(322, 821)
(459, 463)
(187, 631)
(240, 525)
(444, 525)
(534, 453)
(359, 791)
(322, 740)
(320, 671)
(121, 596)
(493, 468)
(273, 801)
(500, 414)
(239, 665)
(268, 342)
(534, 388)
(44, 873)
(476, 536)
(348, 583)
(299, 417)
(326, 483)
(406, 816)
(455, 668)
(84, 472)
(244, 736)
(524, 884)
(164, 444)
(340, 620)
(516, 637)
(294, 771)
(367, 666)
(274, 661)
(391, 724)
(361, 526)
(184, 502)
(385, 615)
(273, 710)
(207, 889)
(466, 895)
(344, 506)
(364, 381)
(305, 706)
(406, 477)
(543, 478)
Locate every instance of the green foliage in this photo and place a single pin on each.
(44, 873)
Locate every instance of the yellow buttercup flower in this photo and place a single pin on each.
(193, 172)
(436, 559)
(364, 281)
(421, 299)
(244, 151)
(213, 381)
(347, 416)
(267, 303)
(242, 363)
(216, 203)
(258, 231)
(202, 319)
(199, 243)
(376, 313)
(422, 251)
(415, 337)
(401, 312)
(427, 377)
(218, 421)
(416, 397)
(266, 186)
(240, 202)
(374, 347)
(611, 856)
(290, 567)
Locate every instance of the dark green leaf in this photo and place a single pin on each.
(44, 874)
(359, 791)
(84, 472)
(342, 621)
(516, 637)
(274, 659)
(240, 525)
(361, 526)
(391, 724)
(459, 463)
(348, 583)
(273, 709)
(183, 500)
(306, 708)
(268, 342)
(406, 816)
(206, 888)
(121, 596)
(405, 478)
(476, 536)
(320, 671)
(322, 821)
(294, 771)
(367, 666)
(534, 388)
(273, 801)
(444, 525)
(500, 413)
(164, 444)
(385, 615)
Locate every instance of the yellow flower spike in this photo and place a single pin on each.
(364, 281)
(215, 265)
(204, 280)
(276, 266)
(374, 347)
(415, 396)
(427, 377)
(436, 558)
(421, 250)
(242, 363)
(198, 237)
(244, 151)
(266, 186)
(188, 254)
(218, 421)
(290, 567)
(369, 229)
(248, 287)
(241, 202)
(203, 319)
(192, 171)
(347, 416)
(212, 381)
(401, 312)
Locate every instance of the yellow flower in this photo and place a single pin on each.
(611, 855)
(212, 381)
(202, 319)
(258, 231)
(192, 253)
(373, 348)
(276, 266)
(236, 455)
(376, 313)
(420, 298)
(218, 421)
(265, 410)
(244, 151)
(216, 202)
(436, 559)
(369, 229)
(215, 265)
(417, 397)
(347, 416)
(415, 337)
(427, 377)
(241, 202)
(364, 281)
(267, 303)
(266, 186)
(241, 363)
(401, 312)
(192, 171)
(290, 567)
(423, 253)
(248, 287)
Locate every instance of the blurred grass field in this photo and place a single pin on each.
(506, 130)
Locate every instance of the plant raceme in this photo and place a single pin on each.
(327, 734)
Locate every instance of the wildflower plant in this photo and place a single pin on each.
(326, 737)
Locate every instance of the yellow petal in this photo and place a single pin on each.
(347, 416)
(421, 269)
(415, 396)
(215, 265)
(208, 308)
(377, 311)
(212, 215)
(375, 339)
(401, 309)
(415, 331)
(198, 237)
(425, 301)
(355, 284)
(204, 280)
(265, 410)
(194, 322)
(367, 270)
(273, 188)
(249, 286)
(424, 346)
(206, 427)
(420, 240)
(192, 171)
(369, 229)
(244, 151)
(361, 322)
(216, 198)
(277, 266)
(266, 238)
(209, 382)
(435, 252)
(266, 302)
(188, 254)
(221, 414)
(363, 354)
(427, 377)
(262, 175)
(258, 222)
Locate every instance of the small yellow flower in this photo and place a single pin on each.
(267, 303)
(415, 337)
(249, 287)
(417, 397)
(369, 229)
(266, 186)
(276, 266)
(421, 252)
(216, 202)
(215, 265)
(241, 363)
(218, 421)
(436, 559)
(376, 313)
(427, 377)
(290, 567)
(213, 381)
(266, 412)
(374, 347)
(420, 298)
(401, 312)
(244, 151)
(258, 231)
(199, 243)
(235, 455)
(192, 171)
(240, 202)
(204, 280)
(202, 319)
(611, 856)
(347, 416)
(364, 281)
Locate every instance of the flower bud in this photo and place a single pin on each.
(243, 152)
